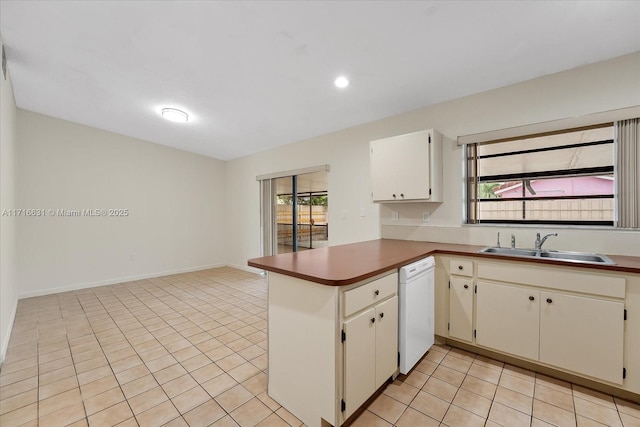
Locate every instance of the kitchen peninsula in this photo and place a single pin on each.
(316, 297)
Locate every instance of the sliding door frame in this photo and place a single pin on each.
(267, 207)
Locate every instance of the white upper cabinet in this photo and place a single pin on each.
(407, 167)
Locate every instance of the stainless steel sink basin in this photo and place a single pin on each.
(508, 251)
(577, 257)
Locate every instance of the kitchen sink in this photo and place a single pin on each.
(577, 257)
(508, 251)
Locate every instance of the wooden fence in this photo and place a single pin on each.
(313, 224)
(559, 210)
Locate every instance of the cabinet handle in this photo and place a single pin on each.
(460, 267)
(381, 315)
(466, 286)
(394, 196)
(531, 298)
(376, 292)
(402, 195)
(549, 300)
(373, 320)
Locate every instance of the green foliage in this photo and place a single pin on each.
(317, 201)
(486, 190)
(314, 200)
(285, 200)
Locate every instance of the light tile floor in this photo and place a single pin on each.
(190, 349)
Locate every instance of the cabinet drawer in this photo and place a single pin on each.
(461, 267)
(363, 296)
(565, 279)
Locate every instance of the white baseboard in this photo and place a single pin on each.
(5, 344)
(113, 281)
(246, 268)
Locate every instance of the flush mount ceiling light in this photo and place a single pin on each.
(175, 115)
(341, 82)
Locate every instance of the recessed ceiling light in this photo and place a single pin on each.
(341, 82)
(175, 115)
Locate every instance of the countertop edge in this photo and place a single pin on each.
(469, 250)
(340, 281)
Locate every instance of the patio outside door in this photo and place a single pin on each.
(295, 213)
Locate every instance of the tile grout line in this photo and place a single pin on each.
(456, 393)
(108, 363)
(180, 415)
(184, 298)
(163, 345)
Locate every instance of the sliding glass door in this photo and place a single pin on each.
(295, 213)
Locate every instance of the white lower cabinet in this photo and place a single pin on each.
(386, 340)
(508, 319)
(461, 308)
(330, 347)
(569, 320)
(583, 335)
(359, 360)
(370, 352)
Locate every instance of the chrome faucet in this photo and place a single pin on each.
(540, 242)
(513, 241)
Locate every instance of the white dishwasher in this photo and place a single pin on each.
(416, 335)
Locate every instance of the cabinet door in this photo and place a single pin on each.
(400, 167)
(461, 309)
(413, 166)
(508, 319)
(386, 340)
(383, 164)
(359, 359)
(583, 335)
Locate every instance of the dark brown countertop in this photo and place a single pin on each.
(347, 264)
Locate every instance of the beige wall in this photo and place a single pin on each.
(348, 186)
(599, 87)
(189, 212)
(8, 224)
(175, 200)
(604, 86)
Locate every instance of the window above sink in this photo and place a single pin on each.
(562, 178)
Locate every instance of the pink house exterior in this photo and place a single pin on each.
(559, 187)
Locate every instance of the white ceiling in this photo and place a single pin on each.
(259, 74)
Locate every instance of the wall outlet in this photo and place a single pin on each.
(426, 217)
(362, 212)
(132, 257)
(395, 216)
(344, 214)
